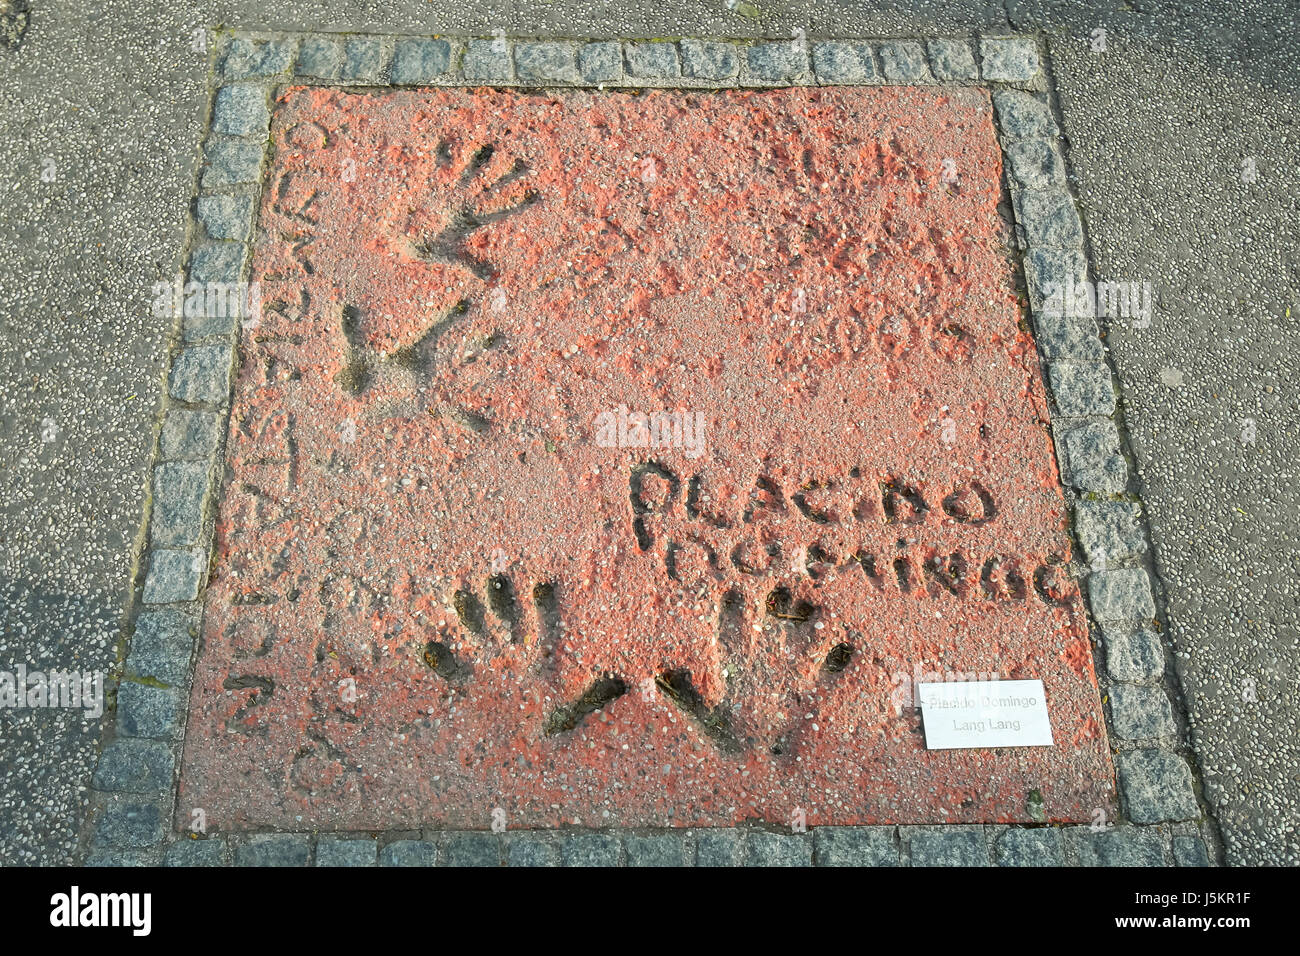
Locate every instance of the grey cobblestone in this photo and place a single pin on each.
(162, 645)
(590, 849)
(1121, 595)
(419, 61)
(1082, 389)
(601, 62)
(659, 849)
(122, 858)
(343, 852)
(1009, 59)
(241, 111)
(720, 847)
(1156, 786)
(1109, 531)
(952, 60)
(1140, 713)
(196, 852)
(147, 711)
(1093, 458)
(216, 321)
(180, 489)
(230, 162)
(472, 849)
(949, 848)
(777, 849)
(1022, 115)
(546, 62)
(1118, 846)
(1036, 164)
(777, 62)
(1133, 654)
(651, 60)
(128, 821)
(320, 58)
(253, 58)
(531, 849)
(1066, 337)
(709, 60)
(1190, 851)
(903, 61)
(217, 261)
(488, 60)
(201, 375)
(855, 846)
(1049, 219)
(188, 435)
(1049, 272)
(1040, 846)
(362, 58)
(842, 61)
(408, 853)
(217, 318)
(274, 849)
(131, 765)
(174, 576)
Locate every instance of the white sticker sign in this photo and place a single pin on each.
(997, 713)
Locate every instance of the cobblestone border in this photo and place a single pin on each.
(1163, 823)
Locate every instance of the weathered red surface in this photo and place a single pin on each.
(416, 424)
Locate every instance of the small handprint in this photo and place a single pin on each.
(364, 365)
(479, 192)
(497, 625)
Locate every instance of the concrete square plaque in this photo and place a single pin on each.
(626, 460)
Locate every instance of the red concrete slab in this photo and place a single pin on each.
(454, 573)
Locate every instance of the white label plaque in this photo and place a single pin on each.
(996, 713)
